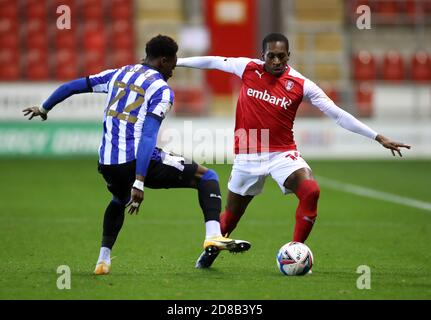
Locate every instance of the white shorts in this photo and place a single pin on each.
(249, 171)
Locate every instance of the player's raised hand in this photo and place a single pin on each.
(35, 112)
(392, 145)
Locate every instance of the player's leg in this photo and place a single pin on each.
(206, 181)
(207, 184)
(294, 175)
(303, 184)
(172, 171)
(245, 182)
(235, 208)
(119, 179)
(214, 242)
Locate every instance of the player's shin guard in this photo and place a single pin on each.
(228, 222)
(210, 196)
(112, 222)
(308, 194)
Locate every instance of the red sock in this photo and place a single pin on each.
(228, 222)
(308, 193)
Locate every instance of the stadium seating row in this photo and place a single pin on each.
(34, 48)
(391, 11)
(392, 66)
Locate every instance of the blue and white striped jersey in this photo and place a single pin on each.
(134, 92)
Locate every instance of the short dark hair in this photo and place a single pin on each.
(274, 37)
(161, 46)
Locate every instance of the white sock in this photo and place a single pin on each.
(212, 228)
(104, 255)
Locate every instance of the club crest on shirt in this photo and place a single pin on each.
(289, 85)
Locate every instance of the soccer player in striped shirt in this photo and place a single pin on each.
(138, 99)
(270, 95)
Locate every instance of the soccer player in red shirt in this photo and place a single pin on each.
(269, 98)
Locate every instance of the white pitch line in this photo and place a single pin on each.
(371, 193)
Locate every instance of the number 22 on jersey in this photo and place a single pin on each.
(125, 115)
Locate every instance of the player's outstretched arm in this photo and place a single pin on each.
(391, 145)
(63, 92)
(230, 65)
(344, 119)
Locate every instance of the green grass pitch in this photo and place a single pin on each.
(51, 214)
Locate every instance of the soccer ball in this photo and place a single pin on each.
(294, 259)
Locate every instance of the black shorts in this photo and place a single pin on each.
(168, 171)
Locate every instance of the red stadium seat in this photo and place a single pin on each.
(9, 40)
(37, 72)
(122, 35)
(37, 41)
(94, 62)
(65, 73)
(36, 26)
(189, 101)
(93, 12)
(121, 10)
(122, 58)
(66, 64)
(364, 66)
(8, 25)
(63, 56)
(36, 56)
(65, 39)
(36, 65)
(90, 3)
(9, 56)
(421, 67)
(9, 72)
(94, 41)
(364, 99)
(70, 3)
(393, 66)
(121, 3)
(411, 9)
(387, 10)
(36, 9)
(356, 3)
(123, 43)
(93, 26)
(122, 27)
(9, 9)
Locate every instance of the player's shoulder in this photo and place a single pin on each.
(292, 72)
(253, 64)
